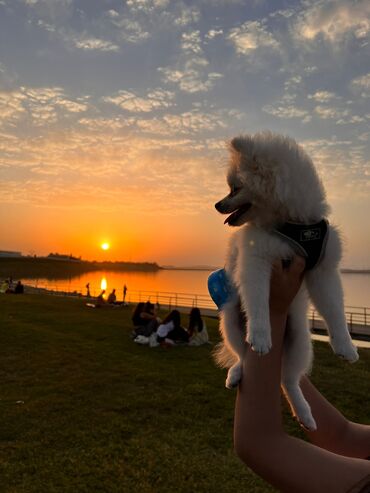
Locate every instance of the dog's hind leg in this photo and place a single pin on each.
(325, 289)
(297, 359)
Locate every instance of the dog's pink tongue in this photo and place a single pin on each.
(230, 220)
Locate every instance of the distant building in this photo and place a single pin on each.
(63, 258)
(10, 254)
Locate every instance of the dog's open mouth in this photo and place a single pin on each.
(233, 218)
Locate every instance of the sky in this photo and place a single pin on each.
(115, 117)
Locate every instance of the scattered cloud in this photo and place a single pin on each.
(322, 96)
(146, 6)
(155, 99)
(213, 33)
(43, 105)
(94, 44)
(250, 36)
(362, 84)
(287, 111)
(191, 72)
(334, 20)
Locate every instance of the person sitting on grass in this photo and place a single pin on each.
(335, 460)
(112, 297)
(197, 329)
(170, 329)
(100, 301)
(19, 288)
(145, 319)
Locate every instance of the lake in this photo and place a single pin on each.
(356, 286)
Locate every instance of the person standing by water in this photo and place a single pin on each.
(124, 293)
(88, 295)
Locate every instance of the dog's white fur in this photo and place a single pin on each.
(277, 177)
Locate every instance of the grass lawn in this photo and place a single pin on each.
(84, 409)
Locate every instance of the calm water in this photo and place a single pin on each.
(356, 286)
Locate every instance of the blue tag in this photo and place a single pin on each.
(220, 288)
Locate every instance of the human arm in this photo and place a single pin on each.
(289, 464)
(335, 432)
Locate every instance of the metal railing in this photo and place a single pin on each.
(357, 317)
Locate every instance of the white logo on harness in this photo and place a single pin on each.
(310, 234)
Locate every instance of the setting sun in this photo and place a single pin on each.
(105, 246)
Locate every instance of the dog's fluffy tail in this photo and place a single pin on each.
(223, 357)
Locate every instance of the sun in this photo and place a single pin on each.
(105, 246)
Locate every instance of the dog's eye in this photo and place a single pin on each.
(234, 190)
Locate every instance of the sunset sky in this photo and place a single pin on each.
(114, 116)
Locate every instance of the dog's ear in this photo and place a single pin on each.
(238, 144)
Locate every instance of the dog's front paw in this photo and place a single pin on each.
(346, 350)
(260, 341)
(234, 376)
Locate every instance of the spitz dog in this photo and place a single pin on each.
(278, 202)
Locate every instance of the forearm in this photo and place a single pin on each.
(334, 432)
(258, 403)
(287, 463)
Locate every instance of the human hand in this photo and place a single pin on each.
(285, 283)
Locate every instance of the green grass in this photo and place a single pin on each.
(84, 409)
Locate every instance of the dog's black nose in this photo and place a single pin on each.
(218, 206)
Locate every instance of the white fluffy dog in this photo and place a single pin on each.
(278, 200)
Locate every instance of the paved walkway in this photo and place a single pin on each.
(358, 343)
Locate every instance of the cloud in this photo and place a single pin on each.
(155, 99)
(322, 96)
(250, 36)
(362, 84)
(213, 33)
(342, 165)
(287, 111)
(130, 30)
(334, 20)
(192, 78)
(43, 105)
(326, 112)
(285, 13)
(55, 10)
(11, 106)
(187, 15)
(146, 6)
(191, 72)
(191, 42)
(94, 44)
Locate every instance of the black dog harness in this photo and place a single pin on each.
(308, 240)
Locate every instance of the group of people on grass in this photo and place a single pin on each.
(150, 329)
(9, 286)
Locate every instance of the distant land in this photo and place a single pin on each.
(64, 268)
(192, 267)
(212, 268)
(57, 266)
